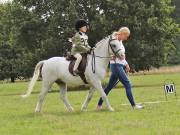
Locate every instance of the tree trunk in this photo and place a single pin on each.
(12, 79)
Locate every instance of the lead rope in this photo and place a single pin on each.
(114, 59)
(93, 62)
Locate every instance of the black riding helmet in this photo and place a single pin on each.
(80, 23)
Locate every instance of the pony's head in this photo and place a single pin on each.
(115, 47)
(109, 45)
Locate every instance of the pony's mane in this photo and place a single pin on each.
(102, 40)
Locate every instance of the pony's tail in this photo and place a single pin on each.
(34, 79)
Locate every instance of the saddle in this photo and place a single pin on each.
(81, 68)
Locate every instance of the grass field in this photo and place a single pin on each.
(17, 115)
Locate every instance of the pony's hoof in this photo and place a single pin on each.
(83, 109)
(24, 96)
(71, 109)
(37, 111)
(111, 109)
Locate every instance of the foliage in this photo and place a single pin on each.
(12, 53)
(174, 55)
(40, 29)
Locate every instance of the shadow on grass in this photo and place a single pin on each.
(64, 113)
(80, 89)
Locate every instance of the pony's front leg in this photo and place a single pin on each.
(97, 85)
(88, 99)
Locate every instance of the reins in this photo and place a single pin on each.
(93, 62)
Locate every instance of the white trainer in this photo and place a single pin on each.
(138, 107)
(98, 108)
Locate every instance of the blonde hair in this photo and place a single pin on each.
(124, 30)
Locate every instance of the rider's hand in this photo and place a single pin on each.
(92, 49)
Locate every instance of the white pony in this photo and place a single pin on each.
(56, 70)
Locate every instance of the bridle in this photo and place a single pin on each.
(110, 45)
(93, 63)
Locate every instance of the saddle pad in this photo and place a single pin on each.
(81, 68)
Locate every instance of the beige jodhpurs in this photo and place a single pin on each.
(79, 58)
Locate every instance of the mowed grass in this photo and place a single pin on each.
(17, 115)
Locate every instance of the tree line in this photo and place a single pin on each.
(32, 30)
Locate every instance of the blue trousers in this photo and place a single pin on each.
(118, 73)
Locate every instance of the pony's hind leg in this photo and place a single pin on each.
(88, 99)
(63, 96)
(44, 90)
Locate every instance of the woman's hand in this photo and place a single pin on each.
(122, 56)
(127, 68)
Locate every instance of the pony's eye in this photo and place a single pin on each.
(114, 46)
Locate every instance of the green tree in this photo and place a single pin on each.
(174, 55)
(13, 55)
(40, 29)
(150, 21)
